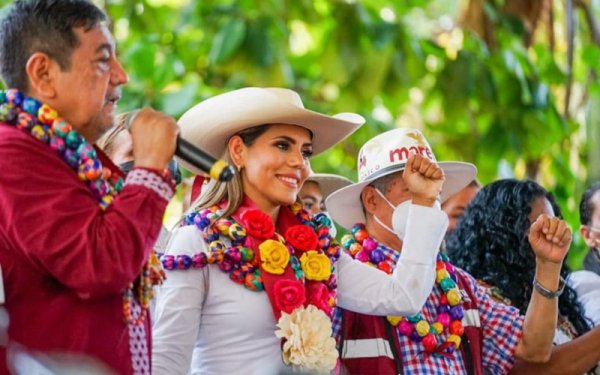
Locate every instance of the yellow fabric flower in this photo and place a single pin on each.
(316, 266)
(308, 345)
(274, 256)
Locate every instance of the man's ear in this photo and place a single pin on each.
(41, 71)
(237, 151)
(370, 199)
(586, 234)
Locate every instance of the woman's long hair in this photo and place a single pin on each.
(490, 242)
(216, 191)
(106, 141)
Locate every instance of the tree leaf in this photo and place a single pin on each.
(227, 40)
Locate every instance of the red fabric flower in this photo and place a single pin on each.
(258, 224)
(302, 238)
(288, 295)
(318, 295)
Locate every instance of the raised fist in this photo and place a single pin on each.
(550, 238)
(423, 178)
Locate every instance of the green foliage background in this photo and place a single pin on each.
(401, 63)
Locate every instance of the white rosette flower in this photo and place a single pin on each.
(308, 344)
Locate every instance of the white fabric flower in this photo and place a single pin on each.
(308, 343)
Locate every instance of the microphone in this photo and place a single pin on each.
(215, 168)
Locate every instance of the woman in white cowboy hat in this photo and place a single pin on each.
(251, 279)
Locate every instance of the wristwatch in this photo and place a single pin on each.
(547, 292)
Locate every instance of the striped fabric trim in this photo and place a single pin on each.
(471, 318)
(367, 348)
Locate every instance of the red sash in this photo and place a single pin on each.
(285, 220)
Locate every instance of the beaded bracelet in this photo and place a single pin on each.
(547, 292)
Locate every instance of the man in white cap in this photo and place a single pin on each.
(460, 330)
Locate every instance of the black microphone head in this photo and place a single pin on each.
(215, 168)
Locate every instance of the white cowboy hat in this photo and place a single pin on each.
(211, 123)
(383, 155)
(328, 183)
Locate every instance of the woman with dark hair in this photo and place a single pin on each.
(490, 242)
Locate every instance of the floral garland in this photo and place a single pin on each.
(44, 124)
(305, 302)
(450, 311)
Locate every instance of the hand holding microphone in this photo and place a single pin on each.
(158, 142)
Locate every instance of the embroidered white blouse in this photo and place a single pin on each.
(207, 324)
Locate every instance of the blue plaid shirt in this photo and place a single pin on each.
(501, 326)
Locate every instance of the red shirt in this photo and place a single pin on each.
(65, 262)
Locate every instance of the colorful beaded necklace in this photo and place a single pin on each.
(44, 124)
(239, 260)
(450, 312)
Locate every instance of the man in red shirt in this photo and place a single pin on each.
(75, 234)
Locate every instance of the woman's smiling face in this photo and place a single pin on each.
(276, 165)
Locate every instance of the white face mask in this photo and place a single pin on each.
(399, 216)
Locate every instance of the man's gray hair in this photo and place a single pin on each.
(382, 183)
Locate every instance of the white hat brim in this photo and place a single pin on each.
(345, 205)
(211, 123)
(328, 183)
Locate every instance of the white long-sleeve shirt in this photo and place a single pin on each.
(208, 324)
(587, 286)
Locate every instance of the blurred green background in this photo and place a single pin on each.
(510, 86)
